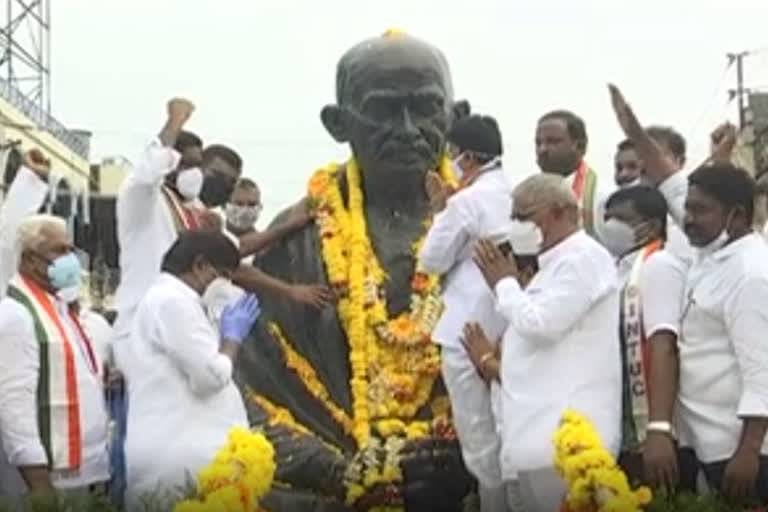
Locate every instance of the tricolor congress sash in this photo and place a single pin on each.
(183, 219)
(58, 405)
(634, 343)
(584, 187)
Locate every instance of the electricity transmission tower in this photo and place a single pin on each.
(25, 58)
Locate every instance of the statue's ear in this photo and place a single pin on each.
(461, 109)
(333, 120)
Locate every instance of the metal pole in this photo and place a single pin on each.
(740, 87)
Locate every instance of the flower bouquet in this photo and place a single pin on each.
(239, 476)
(595, 482)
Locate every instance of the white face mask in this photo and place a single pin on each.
(525, 237)
(457, 170)
(189, 182)
(718, 243)
(618, 237)
(69, 294)
(715, 245)
(216, 288)
(242, 217)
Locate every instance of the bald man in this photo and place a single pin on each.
(394, 106)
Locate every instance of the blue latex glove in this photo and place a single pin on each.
(238, 318)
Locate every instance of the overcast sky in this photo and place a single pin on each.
(260, 70)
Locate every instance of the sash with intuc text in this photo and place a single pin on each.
(635, 353)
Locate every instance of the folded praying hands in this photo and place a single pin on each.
(493, 264)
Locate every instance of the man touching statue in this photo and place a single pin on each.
(351, 396)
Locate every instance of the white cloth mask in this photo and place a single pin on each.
(457, 170)
(69, 294)
(525, 237)
(718, 243)
(618, 237)
(189, 182)
(715, 245)
(242, 217)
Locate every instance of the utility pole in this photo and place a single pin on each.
(739, 92)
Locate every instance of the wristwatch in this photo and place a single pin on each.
(661, 427)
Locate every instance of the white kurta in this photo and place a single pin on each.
(19, 373)
(723, 351)
(561, 350)
(479, 211)
(25, 197)
(145, 232)
(482, 210)
(183, 399)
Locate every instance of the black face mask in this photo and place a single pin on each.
(216, 190)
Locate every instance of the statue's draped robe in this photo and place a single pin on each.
(306, 463)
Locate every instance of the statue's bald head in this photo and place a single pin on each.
(394, 104)
(393, 51)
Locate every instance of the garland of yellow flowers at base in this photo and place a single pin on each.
(239, 476)
(595, 482)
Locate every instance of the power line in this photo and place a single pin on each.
(715, 93)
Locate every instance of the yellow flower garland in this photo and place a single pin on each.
(239, 476)
(393, 361)
(308, 376)
(595, 482)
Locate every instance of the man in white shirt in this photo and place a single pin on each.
(723, 358)
(53, 419)
(561, 144)
(174, 348)
(560, 349)
(651, 281)
(479, 209)
(25, 196)
(242, 211)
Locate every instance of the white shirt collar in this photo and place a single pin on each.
(552, 254)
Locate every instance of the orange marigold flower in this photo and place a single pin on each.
(401, 327)
(317, 184)
(420, 282)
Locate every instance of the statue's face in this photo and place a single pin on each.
(397, 109)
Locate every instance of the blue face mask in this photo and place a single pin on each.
(65, 272)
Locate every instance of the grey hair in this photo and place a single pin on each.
(31, 233)
(545, 189)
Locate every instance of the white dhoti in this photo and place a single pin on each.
(538, 490)
(472, 404)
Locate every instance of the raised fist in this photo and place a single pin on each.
(722, 142)
(36, 161)
(180, 110)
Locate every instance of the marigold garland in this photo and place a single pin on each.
(312, 382)
(239, 476)
(393, 361)
(595, 482)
